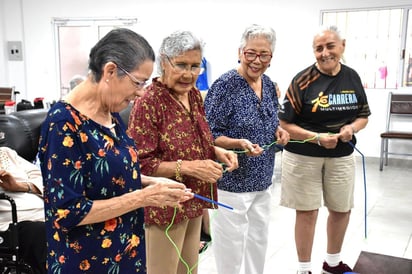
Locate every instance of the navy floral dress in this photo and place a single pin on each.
(82, 161)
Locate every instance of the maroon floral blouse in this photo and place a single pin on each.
(165, 131)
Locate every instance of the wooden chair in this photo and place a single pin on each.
(399, 106)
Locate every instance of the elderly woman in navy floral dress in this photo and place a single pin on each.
(92, 184)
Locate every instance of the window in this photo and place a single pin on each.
(379, 44)
(74, 37)
(408, 52)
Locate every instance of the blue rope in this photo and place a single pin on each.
(212, 201)
(364, 180)
(364, 186)
(265, 147)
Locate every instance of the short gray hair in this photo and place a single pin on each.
(178, 43)
(121, 46)
(75, 80)
(329, 28)
(254, 31)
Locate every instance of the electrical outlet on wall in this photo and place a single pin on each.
(15, 51)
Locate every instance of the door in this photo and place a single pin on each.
(73, 40)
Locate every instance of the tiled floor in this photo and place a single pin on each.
(389, 221)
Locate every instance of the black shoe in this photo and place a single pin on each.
(341, 268)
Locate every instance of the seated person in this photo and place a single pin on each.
(22, 181)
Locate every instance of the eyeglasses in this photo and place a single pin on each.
(182, 67)
(251, 56)
(138, 84)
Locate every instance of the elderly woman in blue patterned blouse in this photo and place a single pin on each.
(241, 107)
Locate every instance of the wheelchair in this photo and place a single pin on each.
(10, 262)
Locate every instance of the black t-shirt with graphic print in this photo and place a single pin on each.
(324, 103)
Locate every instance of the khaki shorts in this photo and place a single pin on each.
(305, 180)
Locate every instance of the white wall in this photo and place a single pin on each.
(2, 52)
(219, 22)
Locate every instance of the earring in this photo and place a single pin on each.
(107, 80)
(238, 61)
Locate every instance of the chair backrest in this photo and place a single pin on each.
(398, 104)
(6, 94)
(401, 104)
(21, 131)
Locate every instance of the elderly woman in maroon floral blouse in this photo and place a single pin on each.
(169, 125)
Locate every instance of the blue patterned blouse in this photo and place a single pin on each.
(82, 161)
(234, 110)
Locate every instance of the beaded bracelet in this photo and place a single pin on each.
(178, 175)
